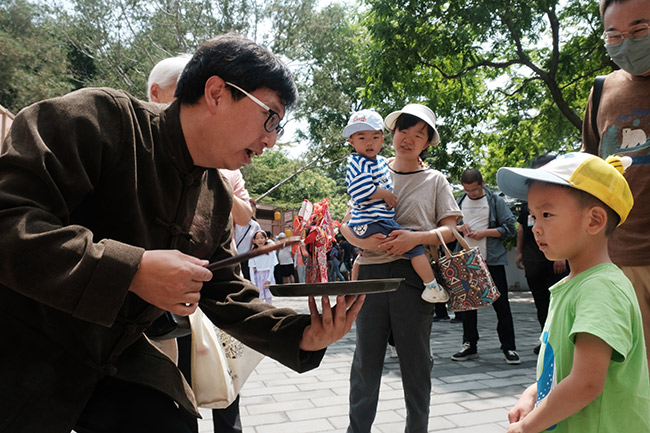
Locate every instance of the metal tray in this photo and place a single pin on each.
(337, 288)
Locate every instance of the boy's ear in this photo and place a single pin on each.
(597, 219)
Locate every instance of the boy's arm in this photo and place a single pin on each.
(385, 195)
(524, 405)
(591, 358)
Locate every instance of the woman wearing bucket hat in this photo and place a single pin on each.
(424, 204)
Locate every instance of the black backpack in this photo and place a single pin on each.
(598, 91)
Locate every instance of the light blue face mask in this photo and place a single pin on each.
(631, 56)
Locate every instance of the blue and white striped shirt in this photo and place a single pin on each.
(363, 177)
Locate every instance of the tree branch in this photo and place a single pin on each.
(300, 170)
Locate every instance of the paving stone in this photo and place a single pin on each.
(489, 403)
(466, 397)
(264, 390)
(319, 396)
(484, 428)
(440, 424)
(330, 400)
(446, 409)
(318, 412)
(465, 377)
(478, 417)
(264, 419)
(279, 407)
(514, 390)
(495, 383)
(313, 426)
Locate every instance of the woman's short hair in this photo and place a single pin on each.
(405, 121)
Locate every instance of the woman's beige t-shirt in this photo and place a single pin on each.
(424, 198)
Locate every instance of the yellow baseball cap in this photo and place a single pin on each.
(601, 178)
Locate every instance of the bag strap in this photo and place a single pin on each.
(243, 236)
(595, 102)
(461, 240)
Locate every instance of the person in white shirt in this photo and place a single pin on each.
(284, 269)
(261, 267)
(486, 221)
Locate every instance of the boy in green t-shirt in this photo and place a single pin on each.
(592, 374)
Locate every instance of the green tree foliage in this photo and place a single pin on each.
(115, 43)
(125, 38)
(326, 48)
(508, 78)
(273, 167)
(34, 64)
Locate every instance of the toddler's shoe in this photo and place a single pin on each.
(434, 293)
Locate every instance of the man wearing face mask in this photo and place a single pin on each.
(623, 127)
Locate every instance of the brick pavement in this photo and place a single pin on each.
(467, 397)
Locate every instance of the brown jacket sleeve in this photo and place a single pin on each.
(50, 165)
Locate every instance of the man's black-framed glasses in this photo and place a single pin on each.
(635, 33)
(272, 122)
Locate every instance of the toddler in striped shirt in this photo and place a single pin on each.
(371, 194)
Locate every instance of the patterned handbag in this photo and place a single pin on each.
(465, 275)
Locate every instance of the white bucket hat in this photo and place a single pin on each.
(364, 120)
(421, 112)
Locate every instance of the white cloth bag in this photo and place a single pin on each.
(220, 363)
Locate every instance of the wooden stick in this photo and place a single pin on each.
(254, 253)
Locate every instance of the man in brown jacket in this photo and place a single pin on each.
(110, 208)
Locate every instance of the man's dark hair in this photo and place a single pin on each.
(471, 175)
(239, 61)
(541, 160)
(604, 4)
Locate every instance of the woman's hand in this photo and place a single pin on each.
(399, 242)
(559, 267)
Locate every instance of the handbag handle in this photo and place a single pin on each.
(459, 238)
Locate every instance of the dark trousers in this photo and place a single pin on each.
(118, 406)
(226, 420)
(441, 310)
(409, 318)
(540, 277)
(245, 270)
(505, 325)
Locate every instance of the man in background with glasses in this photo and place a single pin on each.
(622, 127)
(110, 209)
